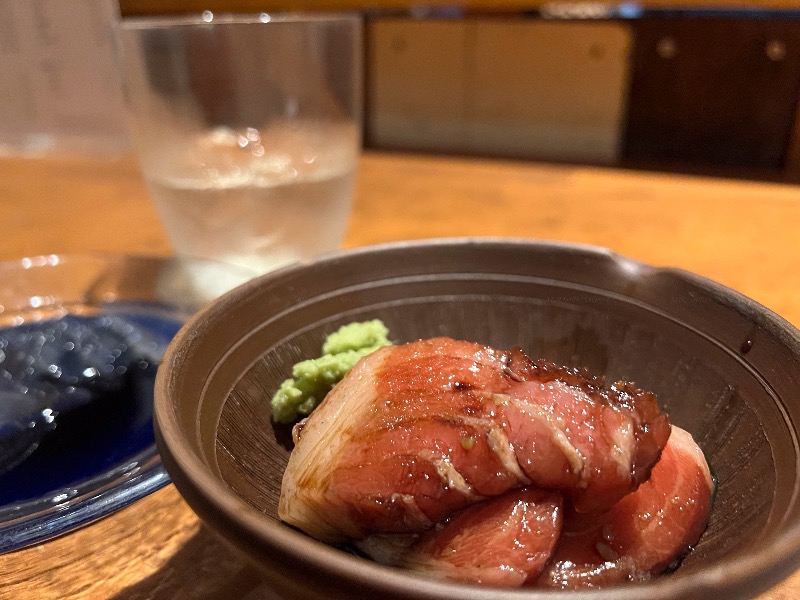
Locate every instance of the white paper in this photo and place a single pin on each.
(59, 89)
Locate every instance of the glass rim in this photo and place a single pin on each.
(209, 18)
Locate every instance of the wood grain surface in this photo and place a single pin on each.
(741, 234)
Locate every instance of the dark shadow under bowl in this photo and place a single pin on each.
(724, 368)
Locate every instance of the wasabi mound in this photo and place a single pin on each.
(312, 379)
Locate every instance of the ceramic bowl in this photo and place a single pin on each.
(724, 368)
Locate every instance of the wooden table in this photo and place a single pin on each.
(742, 234)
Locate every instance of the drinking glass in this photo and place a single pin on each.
(247, 129)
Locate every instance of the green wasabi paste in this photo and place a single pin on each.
(312, 379)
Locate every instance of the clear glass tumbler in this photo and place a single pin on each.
(248, 130)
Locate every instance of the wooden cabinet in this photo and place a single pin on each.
(498, 87)
(713, 92)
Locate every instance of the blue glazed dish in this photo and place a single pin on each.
(81, 338)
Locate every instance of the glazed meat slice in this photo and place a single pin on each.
(502, 542)
(572, 433)
(509, 540)
(644, 532)
(417, 432)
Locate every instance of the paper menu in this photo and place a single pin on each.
(59, 90)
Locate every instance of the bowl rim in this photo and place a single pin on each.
(210, 496)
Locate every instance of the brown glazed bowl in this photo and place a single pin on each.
(724, 368)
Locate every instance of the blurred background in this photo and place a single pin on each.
(693, 86)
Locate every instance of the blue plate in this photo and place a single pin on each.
(81, 338)
(76, 410)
